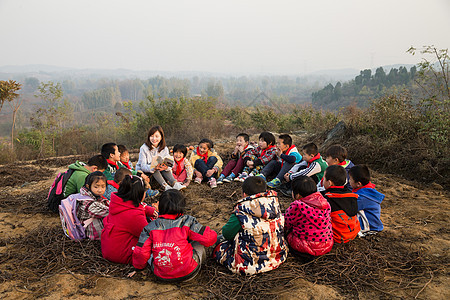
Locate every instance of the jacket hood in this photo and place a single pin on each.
(263, 205)
(371, 194)
(117, 205)
(316, 200)
(79, 166)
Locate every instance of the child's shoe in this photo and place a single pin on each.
(229, 178)
(212, 183)
(179, 186)
(243, 176)
(198, 180)
(274, 183)
(151, 193)
(220, 179)
(262, 176)
(167, 187)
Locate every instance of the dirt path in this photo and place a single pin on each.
(409, 259)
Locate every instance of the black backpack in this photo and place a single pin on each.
(56, 192)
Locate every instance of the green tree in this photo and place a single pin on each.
(52, 115)
(8, 91)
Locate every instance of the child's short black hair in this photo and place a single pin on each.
(207, 142)
(99, 161)
(336, 174)
(132, 188)
(286, 138)
(172, 202)
(360, 173)
(336, 151)
(120, 174)
(122, 148)
(245, 136)
(180, 148)
(311, 149)
(93, 178)
(108, 149)
(254, 185)
(303, 186)
(268, 137)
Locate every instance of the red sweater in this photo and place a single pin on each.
(122, 228)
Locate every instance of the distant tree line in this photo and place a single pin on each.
(364, 87)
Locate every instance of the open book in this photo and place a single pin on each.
(157, 160)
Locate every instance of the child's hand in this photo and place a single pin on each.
(279, 152)
(197, 173)
(286, 177)
(145, 177)
(161, 167)
(236, 150)
(156, 206)
(155, 214)
(186, 183)
(209, 173)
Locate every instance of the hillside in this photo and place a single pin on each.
(409, 259)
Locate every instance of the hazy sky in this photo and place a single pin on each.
(220, 36)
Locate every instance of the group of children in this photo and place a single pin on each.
(333, 202)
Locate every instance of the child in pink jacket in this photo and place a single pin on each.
(308, 219)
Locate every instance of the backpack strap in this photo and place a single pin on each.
(87, 222)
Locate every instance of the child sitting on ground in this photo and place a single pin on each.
(308, 222)
(337, 155)
(369, 200)
(174, 243)
(110, 151)
(256, 158)
(81, 171)
(236, 163)
(154, 148)
(182, 168)
(125, 157)
(113, 185)
(252, 240)
(207, 163)
(312, 165)
(287, 157)
(92, 206)
(344, 205)
(127, 217)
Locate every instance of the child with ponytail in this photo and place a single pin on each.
(128, 215)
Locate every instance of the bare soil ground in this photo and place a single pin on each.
(409, 259)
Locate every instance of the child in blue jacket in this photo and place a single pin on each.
(369, 200)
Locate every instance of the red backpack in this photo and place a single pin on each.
(56, 192)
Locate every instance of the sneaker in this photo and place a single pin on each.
(274, 183)
(151, 193)
(262, 176)
(220, 179)
(198, 180)
(243, 176)
(285, 190)
(229, 178)
(167, 187)
(212, 183)
(179, 186)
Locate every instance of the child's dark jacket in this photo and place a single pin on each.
(167, 238)
(264, 156)
(344, 207)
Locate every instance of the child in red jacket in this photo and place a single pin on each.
(127, 217)
(175, 243)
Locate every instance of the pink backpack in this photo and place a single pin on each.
(72, 227)
(56, 191)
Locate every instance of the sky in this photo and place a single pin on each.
(232, 36)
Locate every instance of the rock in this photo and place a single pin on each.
(335, 134)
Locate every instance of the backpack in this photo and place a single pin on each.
(71, 225)
(56, 191)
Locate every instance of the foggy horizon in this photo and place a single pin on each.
(255, 37)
